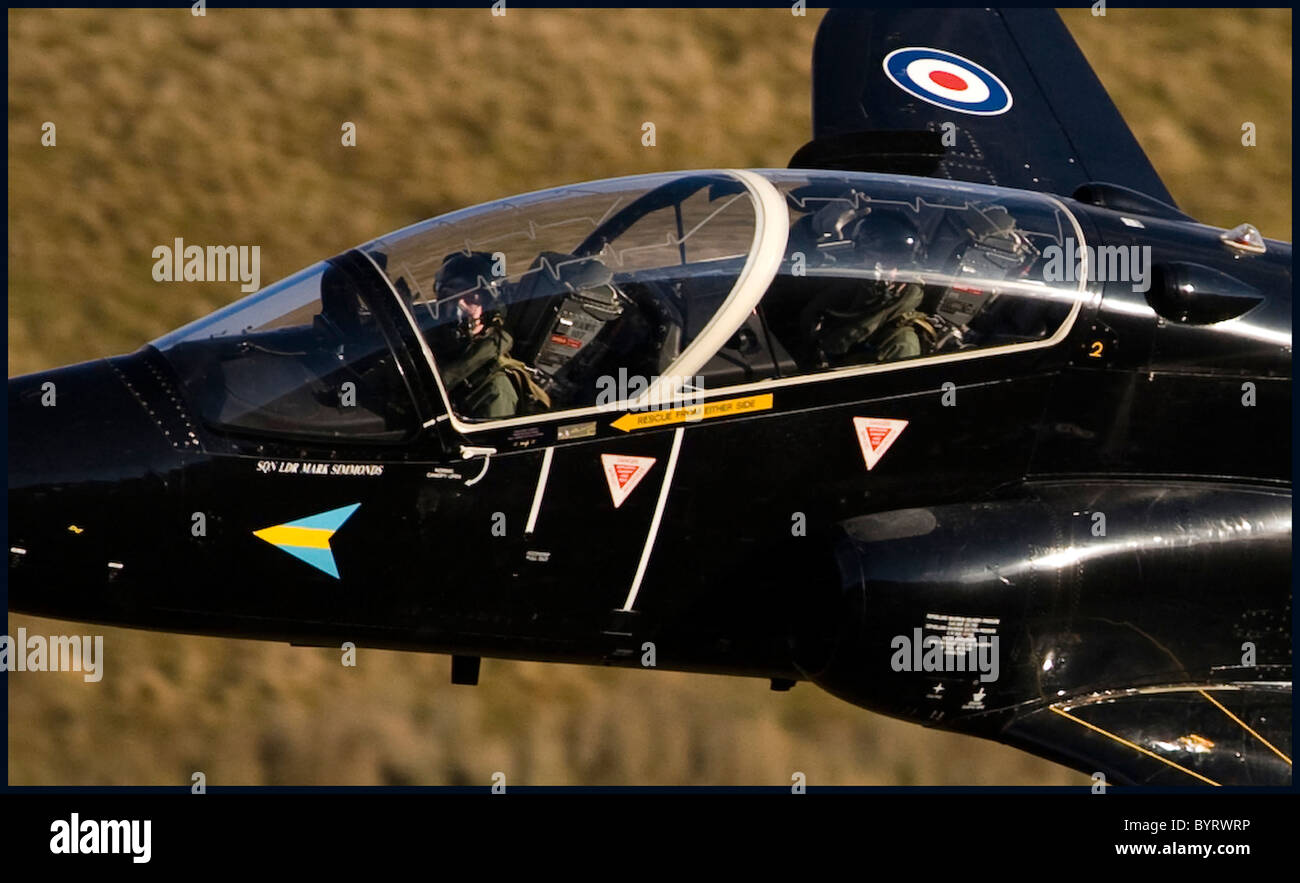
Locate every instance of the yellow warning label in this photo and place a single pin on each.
(693, 413)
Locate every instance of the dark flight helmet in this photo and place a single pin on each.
(461, 271)
(886, 237)
(458, 278)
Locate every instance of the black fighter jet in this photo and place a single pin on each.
(958, 418)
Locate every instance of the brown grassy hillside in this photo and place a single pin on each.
(226, 129)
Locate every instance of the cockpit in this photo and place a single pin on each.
(556, 291)
(633, 293)
(876, 273)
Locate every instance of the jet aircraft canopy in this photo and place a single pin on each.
(634, 293)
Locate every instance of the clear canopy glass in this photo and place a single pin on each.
(638, 292)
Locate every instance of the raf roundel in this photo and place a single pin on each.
(947, 80)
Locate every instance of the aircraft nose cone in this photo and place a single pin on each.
(86, 466)
(77, 424)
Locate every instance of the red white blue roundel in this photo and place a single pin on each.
(948, 80)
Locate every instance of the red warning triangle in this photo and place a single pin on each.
(624, 473)
(875, 435)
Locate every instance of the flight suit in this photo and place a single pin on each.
(892, 331)
(477, 380)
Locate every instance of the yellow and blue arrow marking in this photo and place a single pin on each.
(308, 539)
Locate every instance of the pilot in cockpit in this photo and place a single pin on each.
(879, 320)
(472, 349)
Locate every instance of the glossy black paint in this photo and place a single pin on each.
(1159, 598)
(1039, 439)
(1062, 130)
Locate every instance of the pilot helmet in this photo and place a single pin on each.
(466, 284)
(461, 271)
(886, 240)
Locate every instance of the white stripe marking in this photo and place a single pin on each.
(771, 230)
(654, 522)
(541, 490)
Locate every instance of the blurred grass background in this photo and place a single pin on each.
(225, 129)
